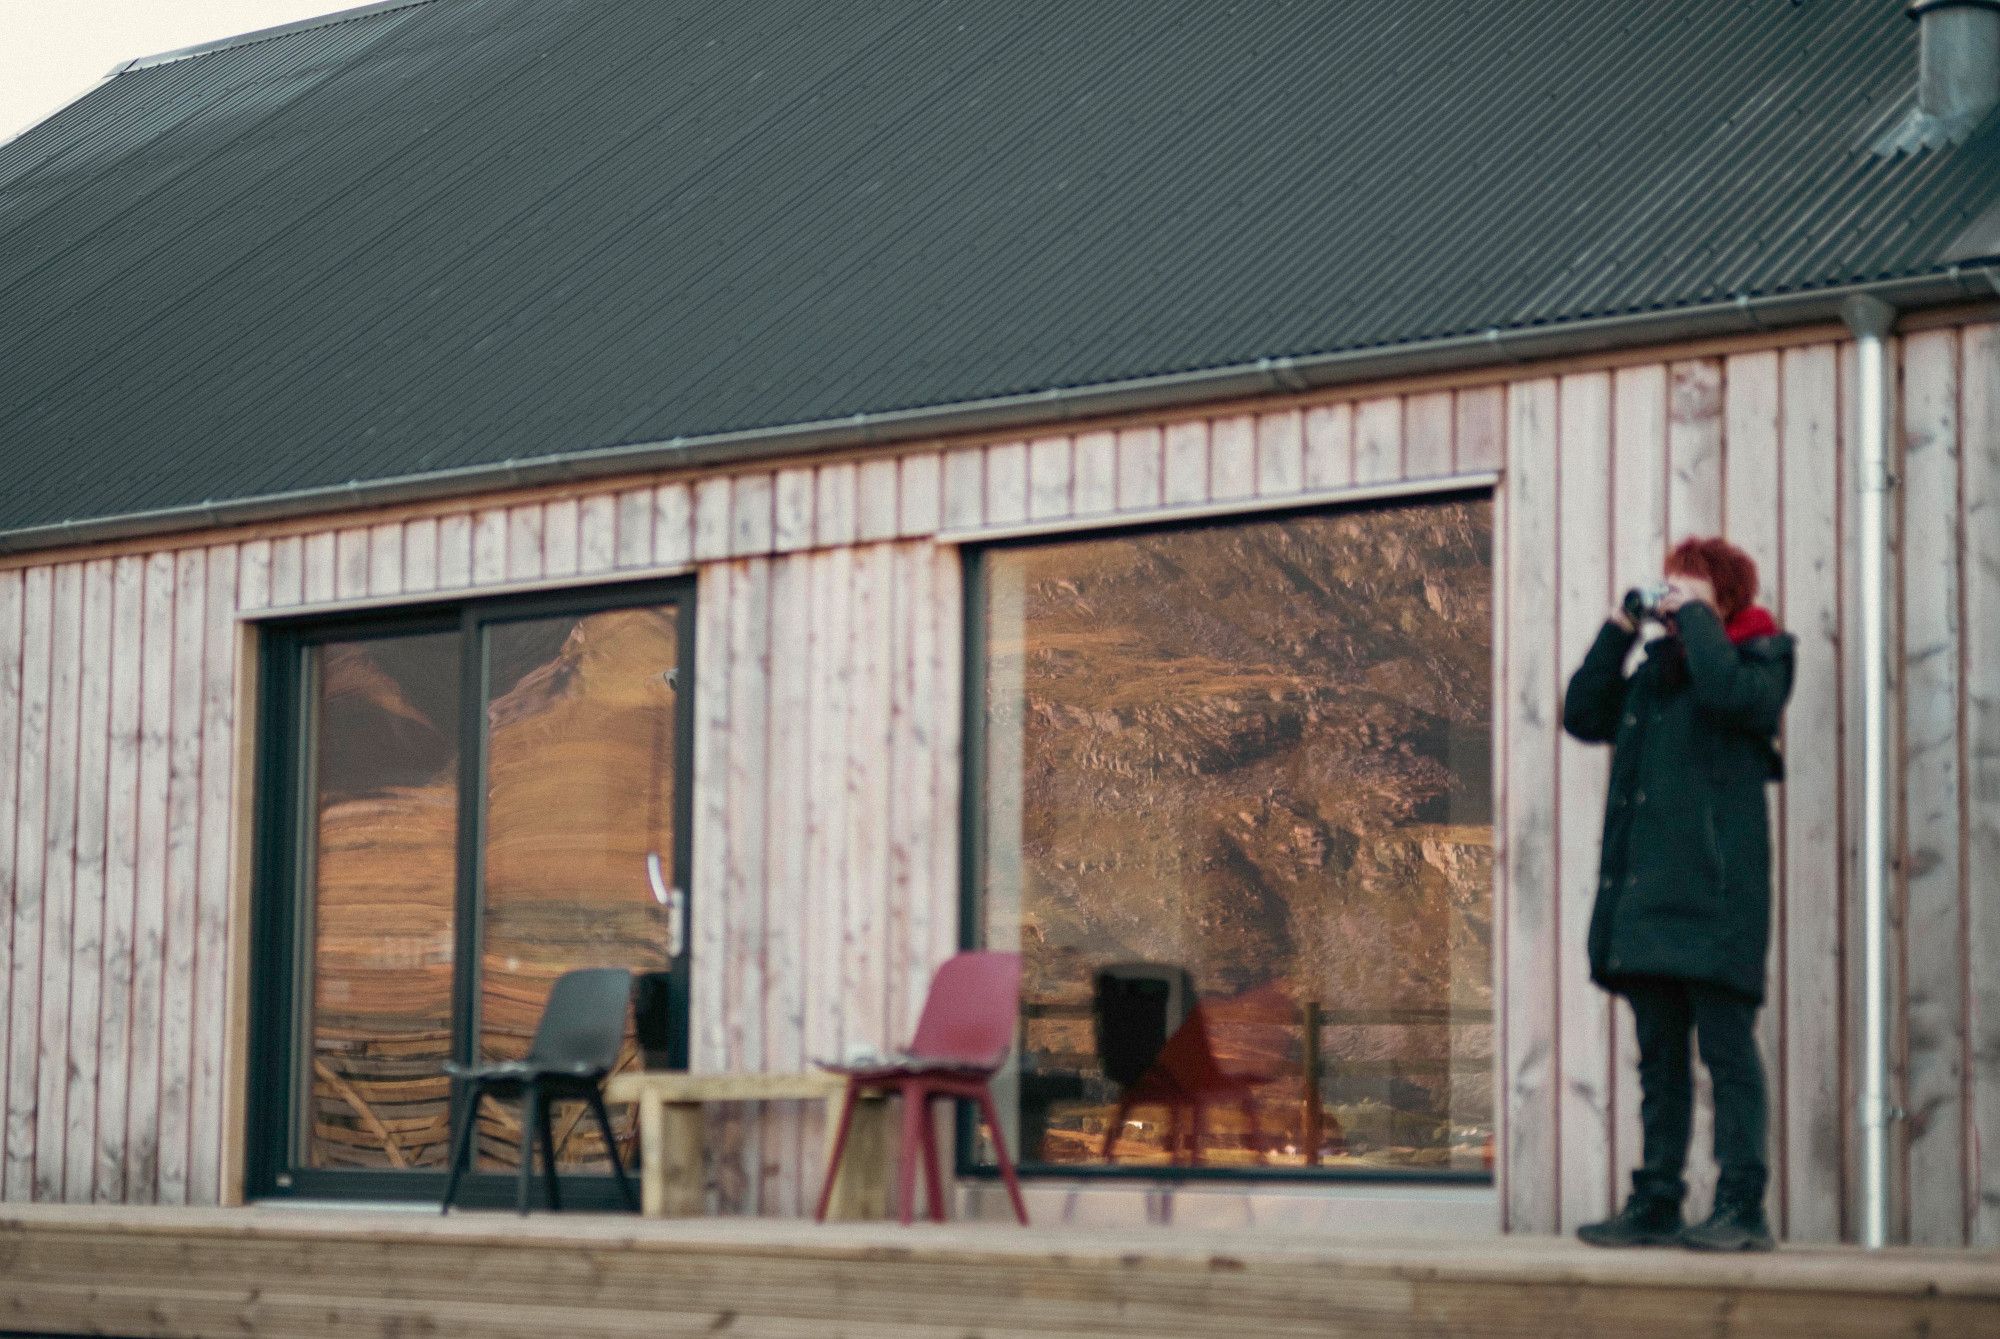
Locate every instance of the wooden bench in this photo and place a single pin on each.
(673, 1134)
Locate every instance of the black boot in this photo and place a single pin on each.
(1645, 1220)
(1736, 1225)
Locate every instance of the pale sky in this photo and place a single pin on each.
(52, 52)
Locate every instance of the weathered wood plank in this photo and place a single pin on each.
(212, 910)
(635, 525)
(1139, 465)
(964, 488)
(524, 542)
(1479, 432)
(875, 514)
(156, 709)
(1185, 463)
(833, 512)
(183, 873)
(751, 515)
(1638, 544)
(256, 556)
(1979, 437)
(946, 725)
(559, 537)
(712, 516)
(1232, 458)
(788, 774)
(1934, 1005)
(826, 805)
(1281, 453)
(319, 565)
(1329, 461)
(12, 595)
(1094, 489)
(909, 817)
(87, 929)
(673, 524)
(1528, 953)
(455, 551)
(30, 882)
(1007, 483)
(385, 558)
(867, 781)
(420, 554)
(1814, 1113)
(350, 563)
(1378, 440)
(58, 890)
(1694, 448)
(597, 534)
(123, 648)
(489, 546)
(709, 909)
(745, 887)
(1583, 590)
(919, 494)
(1049, 473)
(1751, 498)
(1427, 435)
(792, 504)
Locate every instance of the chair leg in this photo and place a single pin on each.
(992, 1115)
(531, 1116)
(1116, 1128)
(906, 1156)
(461, 1147)
(611, 1147)
(927, 1132)
(839, 1149)
(544, 1127)
(1199, 1125)
(1257, 1144)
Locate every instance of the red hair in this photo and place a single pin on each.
(1722, 565)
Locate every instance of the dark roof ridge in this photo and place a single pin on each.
(264, 34)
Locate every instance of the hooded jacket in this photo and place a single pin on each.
(1684, 885)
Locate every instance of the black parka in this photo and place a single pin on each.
(1684, 887)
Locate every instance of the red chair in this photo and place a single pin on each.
(1187, 1079)
(965, 1033)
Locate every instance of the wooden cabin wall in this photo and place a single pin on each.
(827, 743)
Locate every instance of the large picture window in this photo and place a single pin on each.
(1230, 797)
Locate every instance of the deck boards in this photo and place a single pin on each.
(270, 1272)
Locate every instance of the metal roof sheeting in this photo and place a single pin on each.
(470, 231)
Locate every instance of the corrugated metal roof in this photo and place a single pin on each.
(468, 231)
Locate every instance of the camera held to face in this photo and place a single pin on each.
(1643, 602)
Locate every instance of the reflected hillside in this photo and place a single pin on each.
(1260, 752)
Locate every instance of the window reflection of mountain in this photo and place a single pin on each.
(388, 714)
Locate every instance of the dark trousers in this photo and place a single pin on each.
(1668, 1012)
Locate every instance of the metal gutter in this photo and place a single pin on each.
(263, 34)
(1266, 376)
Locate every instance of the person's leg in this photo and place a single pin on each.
(1652, 1216)
(1726, 1024)
(1663, 1019)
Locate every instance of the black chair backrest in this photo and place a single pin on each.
(583, 1024)
(1135, 1008)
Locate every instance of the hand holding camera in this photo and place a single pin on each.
(1660, 600)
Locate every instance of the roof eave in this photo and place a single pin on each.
(1278, 375)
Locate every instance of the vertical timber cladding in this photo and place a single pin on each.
(829, 675)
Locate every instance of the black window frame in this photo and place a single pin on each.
(972, 819)
(278, 952)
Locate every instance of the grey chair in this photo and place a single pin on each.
(576, 1044)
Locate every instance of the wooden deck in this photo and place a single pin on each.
(300, 1273)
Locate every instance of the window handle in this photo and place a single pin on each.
(674, 900)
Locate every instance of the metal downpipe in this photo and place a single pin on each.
(1871, 320)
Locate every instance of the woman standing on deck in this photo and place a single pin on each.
(1683, 911)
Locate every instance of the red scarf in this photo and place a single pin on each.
(1750, 623)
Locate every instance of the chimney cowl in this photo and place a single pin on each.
(1958, 74)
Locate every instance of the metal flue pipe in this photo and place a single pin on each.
(1871, 320)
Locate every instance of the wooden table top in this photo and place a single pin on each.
(678, 1086)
